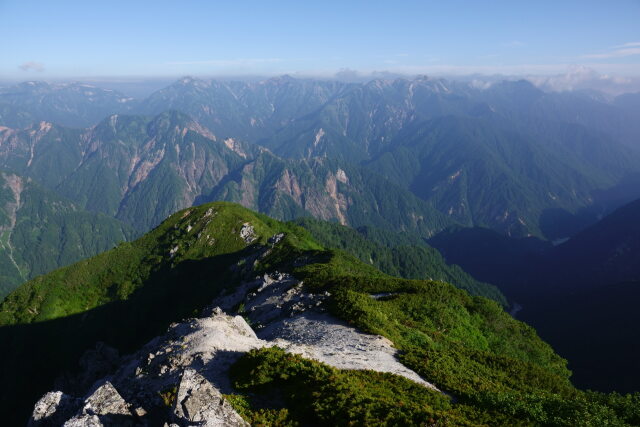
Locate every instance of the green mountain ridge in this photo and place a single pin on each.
(543, 155)
(117, 156)
(497, 368)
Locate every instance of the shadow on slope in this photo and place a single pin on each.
(594, 331)
(35, 354)
(559, 223)
(581, 296)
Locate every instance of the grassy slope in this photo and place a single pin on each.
(116, 274)
(498, 369)
(397, 255)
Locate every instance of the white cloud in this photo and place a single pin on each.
(32, 66)
(625, 45)
(619, 51)
(612, 79)
(582, 77)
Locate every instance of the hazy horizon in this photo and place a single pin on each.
(575, 78)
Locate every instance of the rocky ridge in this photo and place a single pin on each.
(180, 378)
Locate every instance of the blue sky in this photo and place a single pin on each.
(57, 39)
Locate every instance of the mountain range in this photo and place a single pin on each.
(68, 104)
(147, 168)
(547, 157)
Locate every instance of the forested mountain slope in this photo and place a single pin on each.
(142, 169)
(484, 173)
(39, 231)
(607, 252)
(397, 255)
(135, 168)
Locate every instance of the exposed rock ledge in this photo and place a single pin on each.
(179, 378)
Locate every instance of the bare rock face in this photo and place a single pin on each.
(247, 233)
(47, 405)
(176, 379)
(53, 409)
(84, 421)
(104, 407)
(276, 238)
(106, 401)
(284, 314)
(198, 402)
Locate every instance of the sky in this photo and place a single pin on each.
(81, 39)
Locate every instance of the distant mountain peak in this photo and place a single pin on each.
(189, 81)
(285, 78)
(186, 80)
(35, 83)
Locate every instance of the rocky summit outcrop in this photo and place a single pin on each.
(103, 406)
(180, 378)
(284, 314)
(200, 402)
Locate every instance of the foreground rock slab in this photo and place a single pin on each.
(201, 403)
(179, 378)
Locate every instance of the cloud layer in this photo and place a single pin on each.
(32, 66)
(619, 51)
